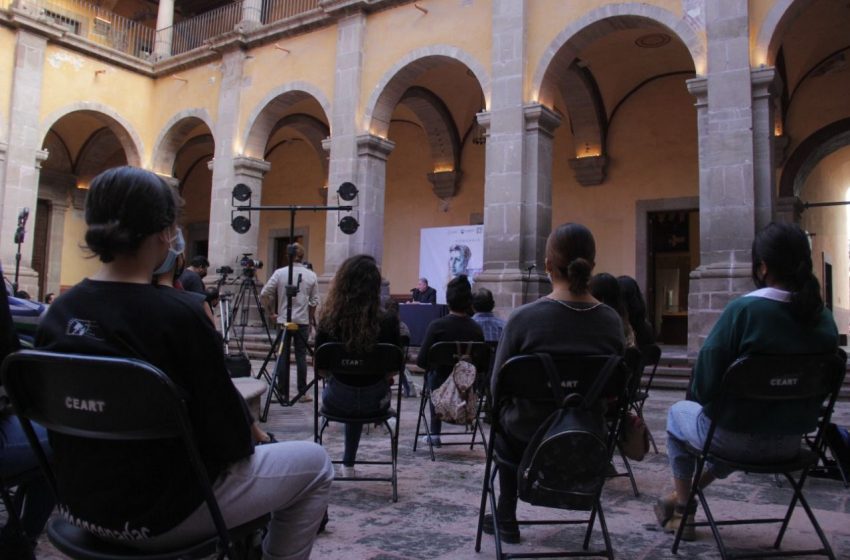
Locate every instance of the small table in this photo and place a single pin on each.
(417, 317)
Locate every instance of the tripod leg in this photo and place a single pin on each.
(273, 391)
(261, 311)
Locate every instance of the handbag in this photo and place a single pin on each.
(634, 437)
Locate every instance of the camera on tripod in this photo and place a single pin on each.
(249, 265)
(223, 270)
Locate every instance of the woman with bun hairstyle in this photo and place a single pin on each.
(567, 321)
(144, 494)
(784, 315)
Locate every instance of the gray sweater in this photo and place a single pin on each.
(555, 328)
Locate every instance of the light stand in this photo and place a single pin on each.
(19, 239)
(241, 224)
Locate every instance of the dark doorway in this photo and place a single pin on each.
(280, 254)
(40, 247)
(673, 241)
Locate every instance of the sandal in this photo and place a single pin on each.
(670, 515)
(271, 439)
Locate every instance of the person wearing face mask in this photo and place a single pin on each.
(144, 494)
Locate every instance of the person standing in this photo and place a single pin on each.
(192, 278)
(304, 305)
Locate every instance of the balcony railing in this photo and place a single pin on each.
(193, 32)
(276, 10)
(94, 23)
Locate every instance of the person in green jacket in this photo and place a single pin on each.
(784, 315)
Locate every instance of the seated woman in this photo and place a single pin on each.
(606, 289)
(636, 311)
(583, 326)
(785, 315)
(456, 326)
(144, 494)
(352, 315)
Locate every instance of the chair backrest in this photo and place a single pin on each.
(384, 359)
(446, 354)
(101, 398)
(524, 377)
(650, 358)
(802, 381)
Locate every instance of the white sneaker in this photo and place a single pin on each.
(392, 423)
(348, 472)
(433, 440)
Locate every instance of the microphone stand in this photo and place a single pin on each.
(527, 282)
(19, 239)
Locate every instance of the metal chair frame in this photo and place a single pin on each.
(140, 404)
(8, 498)
(777, 379)
(650, 357)
(447, 354)
(524, 377)
(384, 359)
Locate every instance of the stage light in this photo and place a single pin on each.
(347, 191)
(240, 224)
(242, 192)
(348, 225)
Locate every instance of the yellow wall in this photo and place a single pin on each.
(830, 181)
(69, 78)
(295, 178)
(412, 205)
(820, 100)
(392, 34)
(311, 59)
(7, 68)
(196, 193)
(548, 18)
(758, 12)
(652, 148)
(75, 265)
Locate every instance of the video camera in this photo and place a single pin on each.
(224, 270)
(249, 265)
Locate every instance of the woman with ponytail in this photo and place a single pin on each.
(567, 321)
(784, 315)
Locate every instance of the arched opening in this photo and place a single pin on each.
(625, 158)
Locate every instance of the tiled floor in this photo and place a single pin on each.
(436, 514)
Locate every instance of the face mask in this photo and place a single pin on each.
(178, 244)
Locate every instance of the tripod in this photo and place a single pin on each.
(286, 336)
(247, 288)
(19, 239)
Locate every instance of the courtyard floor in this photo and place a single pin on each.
(436, 514)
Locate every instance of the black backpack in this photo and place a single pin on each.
(565, 462)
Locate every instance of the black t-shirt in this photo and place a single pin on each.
(191, 281)
(449, 328)
(144, 487)
(389, 333)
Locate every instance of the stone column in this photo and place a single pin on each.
(372, 152)
(58, 211)
(727, 200)
(765, 85)
(164, 31)
(343, 144)
(228, 169)
(19, 187)
(506, 176)
(252, 14)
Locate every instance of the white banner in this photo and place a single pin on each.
(448, 251)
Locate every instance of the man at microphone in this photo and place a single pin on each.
(423, 293)
(303, 309)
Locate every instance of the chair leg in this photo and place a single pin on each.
(497, 533)
(609, 549)
(485, 490)
(426, 396)
(394, 452)
(691, 504)
(798, 495)
(590, 523)
(630, 473)
(13, 519)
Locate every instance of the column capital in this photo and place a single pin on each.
(374, 146)
(40, 157)
(698, 87)
(541, 119)
(254, 168)
(484, 118)
(766, 82)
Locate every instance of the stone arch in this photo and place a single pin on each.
(565, 47)
(810, 152)
(778, 19)
(443, 137)
(173, 135)
(98, 151)
(130, 140)
(312, 129)
(272, 108)
(396, 81)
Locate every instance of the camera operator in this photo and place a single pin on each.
(303, 309)
(192, 278)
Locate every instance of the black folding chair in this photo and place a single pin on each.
(9, 487)
(633, 360)
(447, 354)
(524, 378)
(771, 384)
(650, 357)
(139, 403)
(332, 358)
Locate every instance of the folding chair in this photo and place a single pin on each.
(140, 403)
(333, 358)
(634, 361)
(524, 378)
(650, 358)
(8, 492)
(447, 354)
(771, 384)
